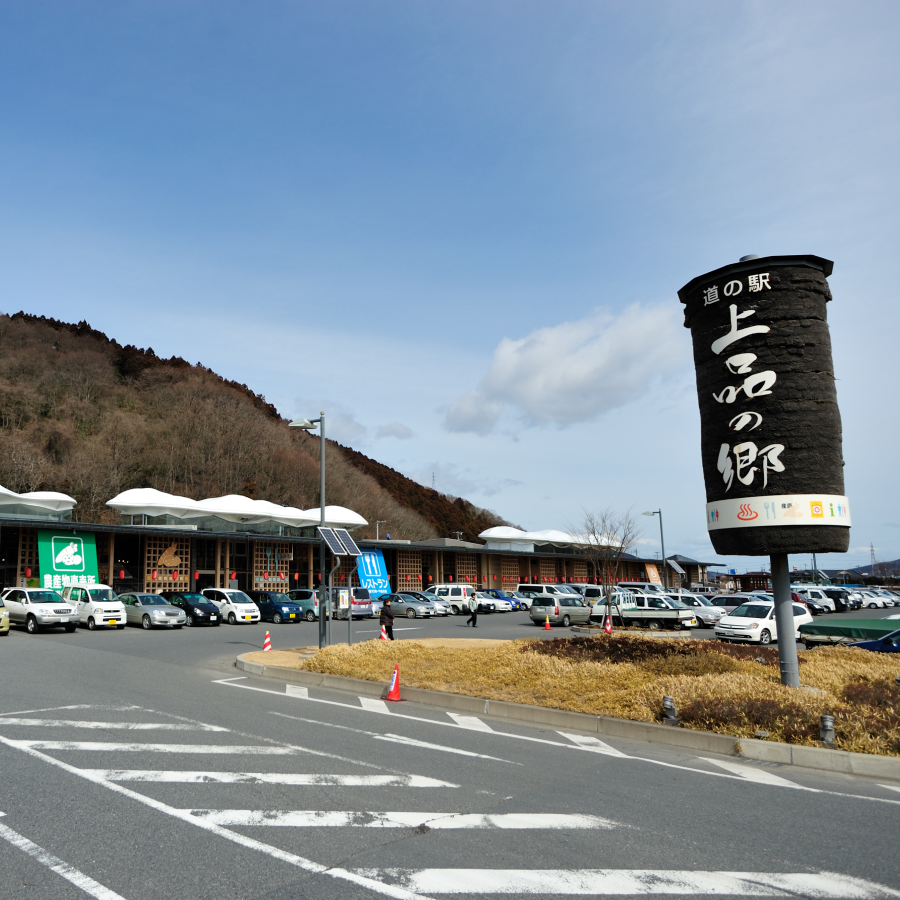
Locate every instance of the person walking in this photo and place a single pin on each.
(387, 618)
(473, 608)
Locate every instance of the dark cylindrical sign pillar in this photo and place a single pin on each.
(769, 419)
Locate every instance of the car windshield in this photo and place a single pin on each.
(280, 598)
(103, 594)
(195, 598)
(45, 597)
(152, 600)
(237, 597)
(566, 589)
(676, 602)
(751, 611)
(700, 601)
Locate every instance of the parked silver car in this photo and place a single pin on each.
(411, 607)
(151, 611)
(561, 609)
(730, 602)
(39, 608)
(703, 608)
(441, 607)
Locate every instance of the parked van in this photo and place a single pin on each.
(541, 590)
(457, 595)
(234, 606)
(96, 605)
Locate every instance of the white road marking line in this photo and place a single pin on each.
(277, 853)
(630, 882)
(179, 777)
(373, 705)
(297, 690)
(751, 773)
(473, 723)
(397, 739)
(25, 712)
(396, 628)
(111, 747)
(523, 737)
(63, 869)
(125, 726)
(586, 742)
(338, 819)
(890, 787)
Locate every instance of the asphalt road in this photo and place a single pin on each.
(143, 765)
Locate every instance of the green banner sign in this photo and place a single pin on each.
(67, 558)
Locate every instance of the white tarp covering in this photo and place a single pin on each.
(38, 500)
(232, 508)
(505, 537)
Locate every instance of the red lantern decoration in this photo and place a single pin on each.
(319, 575)
(450, 577)
(429, 578)
(281, 576)
(196, 575)
(175, 575)
(121, 574)
(154, 574)
(407, 577)
(484, 577)
(234, 576)
(495, 578)
(28, 572)
(266, 575)
(296, 576)
(419, 576)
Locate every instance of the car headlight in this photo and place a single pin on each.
(284, 609)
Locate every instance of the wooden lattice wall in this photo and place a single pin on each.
(579, 569)
(28, 556)
(409, 563)
(167, 556)
(273, 564)
(548, 569)
(509, 568)
(466, 566)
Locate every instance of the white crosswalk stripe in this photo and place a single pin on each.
(631, 882)
(292, 778)
(337, 819)
(373, 705)
(112, 747)
(591, 743)
(752, 773)
(471, 722)
(110, 726)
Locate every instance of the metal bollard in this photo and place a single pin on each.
(826, 730)
(670, 713)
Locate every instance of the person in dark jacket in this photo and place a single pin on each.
(387, 618)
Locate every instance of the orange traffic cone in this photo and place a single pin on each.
(394, 690)
(607, 625)
(267, 643)
(547, 624)
(384, 636)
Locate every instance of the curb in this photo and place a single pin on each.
(749, 748)
(684, 634)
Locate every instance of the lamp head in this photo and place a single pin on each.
(301, 423)
(648, 514)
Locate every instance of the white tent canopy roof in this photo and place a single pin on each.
(39, 500)
(506, 534)
(232, 508)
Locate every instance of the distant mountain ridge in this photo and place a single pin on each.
(84, 414)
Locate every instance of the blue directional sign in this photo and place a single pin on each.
(372, 573)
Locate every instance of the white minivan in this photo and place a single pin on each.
(234, 606)
(96, 605)
(457, 595)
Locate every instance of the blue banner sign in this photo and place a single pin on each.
(372, 573)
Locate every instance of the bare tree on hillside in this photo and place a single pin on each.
(605, 537)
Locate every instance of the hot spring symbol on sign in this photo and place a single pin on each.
(68, 554)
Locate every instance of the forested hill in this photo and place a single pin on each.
(83, 414)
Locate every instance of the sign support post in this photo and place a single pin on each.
(784, 620)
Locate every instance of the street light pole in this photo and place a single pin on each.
(377, 523)
(308, 425)
(662, 541)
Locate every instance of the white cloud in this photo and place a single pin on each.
(395, 430)
(575, 371)
(345, 429)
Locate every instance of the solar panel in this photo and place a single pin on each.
(334, 545)
(348, 542)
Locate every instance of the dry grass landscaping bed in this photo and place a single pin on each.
(717, 687)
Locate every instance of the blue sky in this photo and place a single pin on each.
(443, 222)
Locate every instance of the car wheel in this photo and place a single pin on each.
(566, 622)
(276, 619)
(655, 625)
(71, 628)
(873, 606)
(190, 620)
(31, 625)
(232, 619)
(310, 616)
(765, 637)
(146, 624)
(92, 625)
(410, 614)
(677, 625)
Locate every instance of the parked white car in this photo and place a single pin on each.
(234, 606)
(708, 614)
(38, 608)
(871, 600)
(499, 605)
(816, 594)
(457, 595)
(754, 622)
(96, 605)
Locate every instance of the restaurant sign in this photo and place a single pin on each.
(67, 558)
